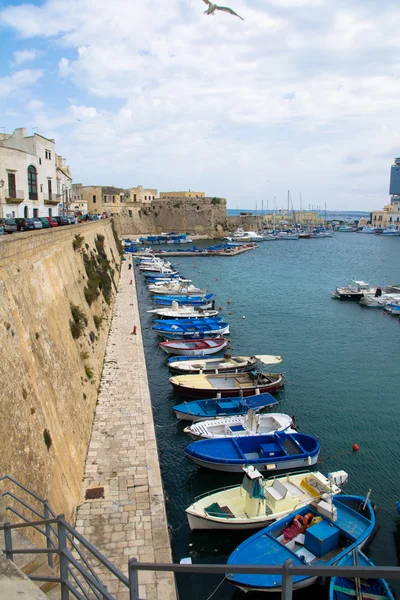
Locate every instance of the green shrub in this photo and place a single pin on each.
(89, 373)
(47, 438)
(85, 355)
(77, 242)
(76, 329)
(97, 321)
(78, 314)
(216, 201)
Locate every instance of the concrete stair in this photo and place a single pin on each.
(34, 564)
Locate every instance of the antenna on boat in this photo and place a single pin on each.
(367, 498)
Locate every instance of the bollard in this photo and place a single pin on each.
(133, 330)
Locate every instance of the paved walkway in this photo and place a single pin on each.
(130, 521)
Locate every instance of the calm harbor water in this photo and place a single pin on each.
(342, 380)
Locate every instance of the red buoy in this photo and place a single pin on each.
(216, 279)
(228, 302)
(219, 307)
(130, 283)
(134, 330)
(355, 447)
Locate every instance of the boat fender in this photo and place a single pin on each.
(307, 519)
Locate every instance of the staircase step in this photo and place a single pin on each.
(55, 593)
(45, 571)
(15, 585)
(26, 562)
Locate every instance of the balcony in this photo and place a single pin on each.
(51, 199)
(14, 196)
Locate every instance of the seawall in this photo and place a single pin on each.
(201, 216)
(57, 290)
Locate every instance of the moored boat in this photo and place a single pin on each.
(203, 300)
(202, 347)
(320, 533)
(373, 301)
(250, 424)
(190, 328)
(226, 385)
(343, 588)
(176, 289)
(257, 502)
(268, 452)
(354, 290)
(185, 311)
(220, 407)
(226, 364)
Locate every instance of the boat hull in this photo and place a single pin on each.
(199, 522)
(176, 351)
(299, 463)
(227, 392)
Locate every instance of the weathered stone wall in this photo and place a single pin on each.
(247, 223)
(49, 380)
(203, 216)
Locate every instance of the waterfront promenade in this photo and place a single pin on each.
(130, 521)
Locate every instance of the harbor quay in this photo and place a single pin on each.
(130, 519)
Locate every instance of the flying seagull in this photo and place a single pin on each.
(213, 7)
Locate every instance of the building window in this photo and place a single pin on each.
(145, 197)
(130, 213)
(380, 218)
(121, 198)
(134, 197)
(153, 198)
(47, 154)
(81, 196)
(26, 212)
(74, 197)
(49, 189)
(50, 215)
(41, 187)
(374, 217)
(12, 191)
(94, 199)
(32, 183)
(40, 161)
(36, 212)
(113, 199)
(390, 219)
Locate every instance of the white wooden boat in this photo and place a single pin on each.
(183, 288)
(251, 424)
(225, 364)
(185, 311)
(194, 347)
(372, 301)
(257, 502)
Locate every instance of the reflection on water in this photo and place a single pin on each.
(341, 365)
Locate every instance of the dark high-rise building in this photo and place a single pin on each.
(394, 189)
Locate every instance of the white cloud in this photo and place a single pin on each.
(11, 84)
(21, 56)
(287, 95)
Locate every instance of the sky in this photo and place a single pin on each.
(303, 95)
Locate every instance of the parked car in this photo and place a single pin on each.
(24, 224)
(9, 225)
(61, 220)
(37, 223)
(45, 222)
(70, 219)
(51, 221)
(2, 230)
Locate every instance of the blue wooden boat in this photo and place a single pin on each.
(191, 321)
(150, 275)
(201, 410)
(337, 526)
(194, 300)
(343, 588)
(190, 328)
(266, 452)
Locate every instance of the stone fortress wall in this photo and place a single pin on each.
(201, 216)
(49, 378)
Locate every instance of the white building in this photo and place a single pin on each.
(34, 182)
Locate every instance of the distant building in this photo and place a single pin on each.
(34, 180)
(390, 215)
(188, 194)
(112, 200)
(394, 188)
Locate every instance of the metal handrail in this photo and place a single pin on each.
(28, 491)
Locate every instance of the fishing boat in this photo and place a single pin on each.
(372, 301)
(322, 533)
(198, 410)
(202, 347)
(204, 300)
(183, 288)
(268, 452)
(346, 228)
(343, 588)
(354, 290)
(226, 385)
(164, 275)
(368, 229)
(390, 231)
(246, 236)
(257, 502)
(160, 266)
(191, 328)
(250, 424)
(227, 364)
(392, 308)
(184, 311)
(287, 235)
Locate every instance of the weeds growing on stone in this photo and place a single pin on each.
(47, 438)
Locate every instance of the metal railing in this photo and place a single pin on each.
(77, 575)
(14, 194)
